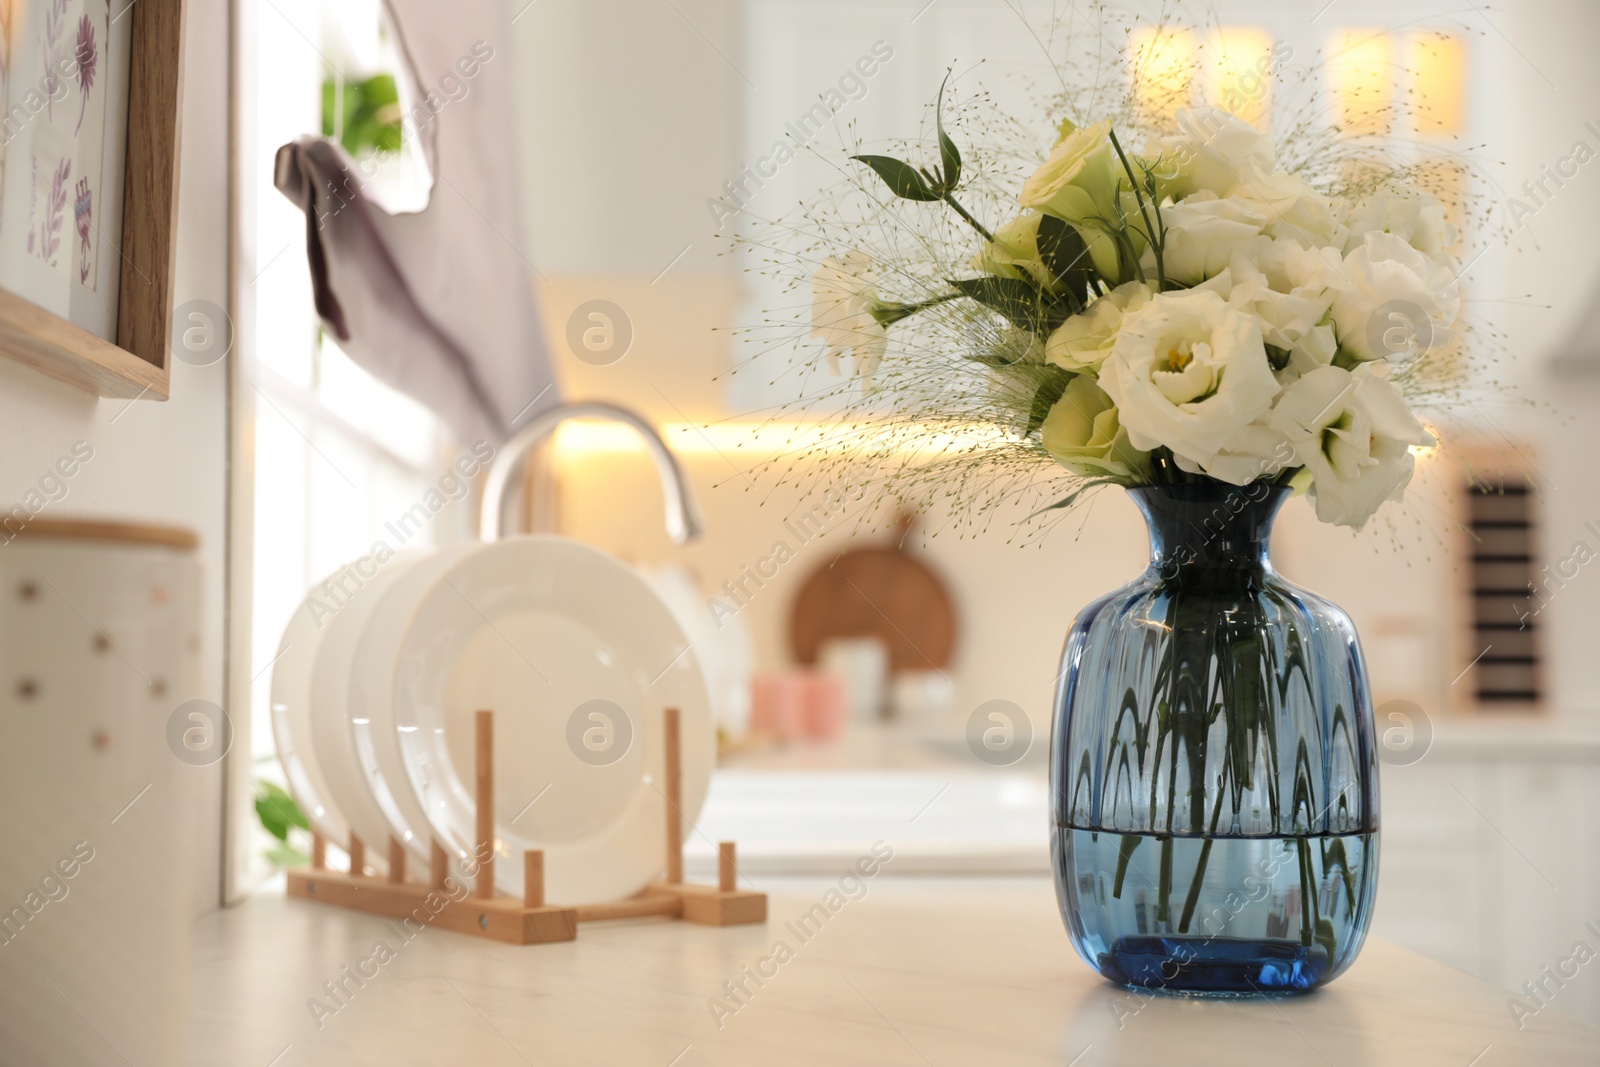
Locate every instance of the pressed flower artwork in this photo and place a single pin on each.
(54, 51)
(83, 214)
(87, 58)
(66, 76)
(45, 240)
(70, 166)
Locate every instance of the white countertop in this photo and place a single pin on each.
(876, 746)
(917, 971)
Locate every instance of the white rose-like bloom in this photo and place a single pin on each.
(1188, 372)
(1391, 301)
(1293, 209)
(1256, 451)
(1079, 180)
(1080, 184)
(1084, 435)
(1014, 252)
(1204, 234)
(1353, 432)
(843, 298)
(1082, 342)
(1284, 286)
(1212, 152)
(1414, 216)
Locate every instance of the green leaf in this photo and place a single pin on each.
(1072, 497)
(370, 120)
(1047, 395)
(949, 157)
(1063, 252)
(901, 178)
(1023, 302)
(278, 811)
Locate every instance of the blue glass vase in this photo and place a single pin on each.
(1214, 793)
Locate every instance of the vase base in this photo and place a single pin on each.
(1215, 966)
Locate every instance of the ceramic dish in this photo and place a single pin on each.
(291, 717)
(365, 799)
(367, 708)
(577, 657)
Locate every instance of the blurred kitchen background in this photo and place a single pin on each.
(1489, 701)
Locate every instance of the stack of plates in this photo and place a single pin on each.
(376, 686)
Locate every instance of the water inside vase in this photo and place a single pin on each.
(1217, 915)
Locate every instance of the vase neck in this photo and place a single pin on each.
(1205, 528)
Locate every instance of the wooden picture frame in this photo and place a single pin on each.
(138, 364)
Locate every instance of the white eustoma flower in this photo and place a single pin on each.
(1203, 234)
(843, 299)
(1083, 341)
(1211, 152)
(1284, 286)
(1188, 372)
(1083, 183)
(1079, 180)
(1353, 432)
(1392, 302)
(1255, 451)
(1014, 252)
(1293, 209)
(1414, 216)
(1084, 434)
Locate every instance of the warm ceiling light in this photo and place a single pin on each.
(1439, 72)
(1361, 70)
(1163, 63)
(1240, 62)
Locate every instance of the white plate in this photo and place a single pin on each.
(367, 709)
(291, 717)
(538, 629)
(364, 797)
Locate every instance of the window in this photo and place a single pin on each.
(338, 456)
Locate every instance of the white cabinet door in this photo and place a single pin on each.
(1432, 893)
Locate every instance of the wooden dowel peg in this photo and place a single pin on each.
(727, 869)
(358, 856)
(319, 851)
(674, 791)
(533, 878)
(485, 822)
(397, 860)
(441, 867)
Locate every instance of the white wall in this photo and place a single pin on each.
(159, 462)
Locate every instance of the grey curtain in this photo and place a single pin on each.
(437, 303)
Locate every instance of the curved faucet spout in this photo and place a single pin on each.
(684, 522)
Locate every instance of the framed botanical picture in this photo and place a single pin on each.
(88, 189)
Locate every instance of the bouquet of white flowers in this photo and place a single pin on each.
(1186, 308)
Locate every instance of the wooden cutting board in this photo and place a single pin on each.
(883, 591)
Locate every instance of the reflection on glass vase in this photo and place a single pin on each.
(1213, 787)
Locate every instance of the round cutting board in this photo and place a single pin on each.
(881, 591)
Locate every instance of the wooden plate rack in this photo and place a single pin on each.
(530, 920)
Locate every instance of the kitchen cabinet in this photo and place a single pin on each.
(1491, 857)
